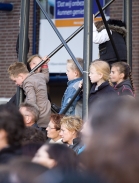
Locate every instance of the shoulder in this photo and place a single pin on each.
(126, 90)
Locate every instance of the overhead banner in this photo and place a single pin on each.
(71, 12)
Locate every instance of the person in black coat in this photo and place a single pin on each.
(99, 76)
(11, 133)
(122, 77)
(118, 32)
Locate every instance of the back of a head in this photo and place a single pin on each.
(33, 135)
(74, 66)
(65, 157)
(115, 134)
(25, 171)
(12, 122)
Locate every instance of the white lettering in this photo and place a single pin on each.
(60, 4)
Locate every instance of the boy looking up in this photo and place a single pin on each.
(34, 85)
(74, 77)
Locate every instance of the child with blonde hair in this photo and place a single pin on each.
(74, 77)
(121, 76)
(34, 60)
(99, 77)
(34, 86)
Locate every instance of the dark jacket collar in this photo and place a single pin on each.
(103, 85)
(125, 82)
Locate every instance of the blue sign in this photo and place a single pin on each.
(72, 8)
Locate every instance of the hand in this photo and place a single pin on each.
(45, 58)
(80, 84)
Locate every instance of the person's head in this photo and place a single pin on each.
(33, 135)
(72, 70)
(30, 113)
(115, 136)
(33, 61)
(120, 71)
(11, 125)
(18, 72)
(53, 128)
(22, 170)
(51, 155)
(99, 72)
(70, 128)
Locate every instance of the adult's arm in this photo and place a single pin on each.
(100, 37)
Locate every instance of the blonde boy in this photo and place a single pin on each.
(74, 77)
(35, 88)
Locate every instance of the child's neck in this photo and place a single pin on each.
(100, 82)
(121, 80)
(26, 75)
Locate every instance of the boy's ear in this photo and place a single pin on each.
(76, 73)
(21, 75)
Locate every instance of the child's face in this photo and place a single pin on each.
(115, 75)
(35, 61)
(17, 80)
(94, 75)
(71, 74)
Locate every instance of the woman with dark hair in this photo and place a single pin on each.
(11, 133)
(53, 129)
(56, 155)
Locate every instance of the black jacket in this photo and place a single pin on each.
(7, 154)
(103, 91)
(77, 144)
(124, 88)
(106, 50)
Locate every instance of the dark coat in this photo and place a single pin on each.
(77, 144)
(103, 91)
(124, 88)
(7, 154)
(106, 50)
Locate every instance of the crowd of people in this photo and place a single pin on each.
(37, 145)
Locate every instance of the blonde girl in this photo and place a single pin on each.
(99, 77)
(121, 76)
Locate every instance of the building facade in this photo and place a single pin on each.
(9, 30)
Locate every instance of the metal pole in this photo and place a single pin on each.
(60, 37)
(23, 41)
(34, 26)
(107, 28)
(128, 20)
(68, 39)
(88, 18)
